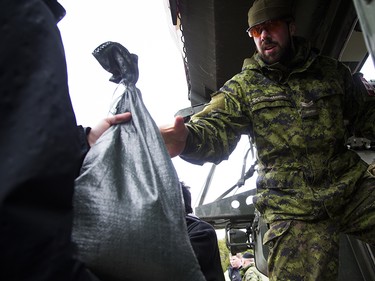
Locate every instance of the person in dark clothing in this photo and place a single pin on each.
(41, 146)
(234, 270)
(203, 240)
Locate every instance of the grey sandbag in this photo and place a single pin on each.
(128, 211)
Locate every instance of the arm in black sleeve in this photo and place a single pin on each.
(39, 151)
(83, 143)
(204, 242)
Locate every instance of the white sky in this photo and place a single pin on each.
(144, 27)
(368, 69)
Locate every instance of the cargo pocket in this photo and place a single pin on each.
(274, 233)
(268, 109)
(272, 115)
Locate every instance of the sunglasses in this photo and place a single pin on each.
(270, 26)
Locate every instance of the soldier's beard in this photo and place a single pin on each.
(280, 54)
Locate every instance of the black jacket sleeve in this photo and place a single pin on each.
(40, 149)
(204, 242)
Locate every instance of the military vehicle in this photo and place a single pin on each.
(214, 45)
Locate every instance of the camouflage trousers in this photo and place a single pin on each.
(309, 250)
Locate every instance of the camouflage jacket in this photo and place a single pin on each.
(297, 116)
(250, 273)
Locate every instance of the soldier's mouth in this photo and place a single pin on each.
(269, 47)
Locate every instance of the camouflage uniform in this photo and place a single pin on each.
(297, 116)
(250, 273)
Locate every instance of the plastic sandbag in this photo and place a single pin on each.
(129, 217)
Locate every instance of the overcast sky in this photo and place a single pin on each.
(144, 27)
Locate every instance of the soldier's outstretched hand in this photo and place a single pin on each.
(175, 136)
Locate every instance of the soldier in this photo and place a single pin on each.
(299, 107)
(249, 271)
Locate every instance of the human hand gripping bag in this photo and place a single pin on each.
(128, 211)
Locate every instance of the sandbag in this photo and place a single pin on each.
(128, 209)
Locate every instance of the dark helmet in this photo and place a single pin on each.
(264, 10)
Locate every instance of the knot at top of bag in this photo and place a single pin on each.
(117, 60)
